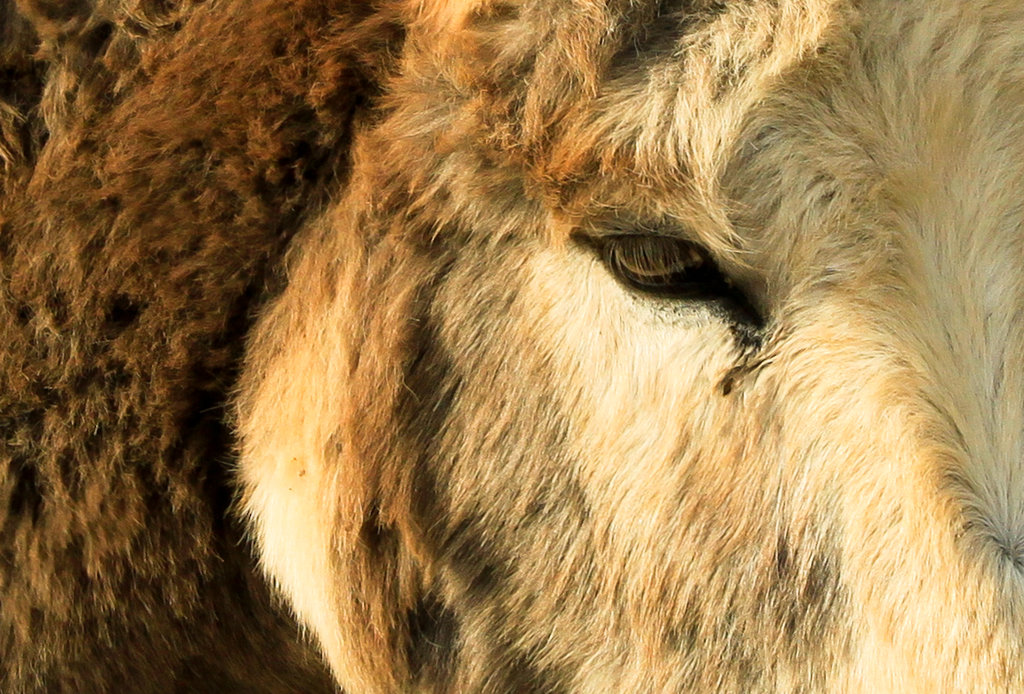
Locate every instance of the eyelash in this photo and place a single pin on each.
(660, 265)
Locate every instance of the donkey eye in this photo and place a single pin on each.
(663, 266)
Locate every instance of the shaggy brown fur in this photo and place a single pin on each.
(156, 160)
(470, 455)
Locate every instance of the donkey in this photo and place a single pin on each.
(571, 346)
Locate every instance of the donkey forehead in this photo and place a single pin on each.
(608, 102)
(728, 119)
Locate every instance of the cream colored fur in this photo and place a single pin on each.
(849, 518)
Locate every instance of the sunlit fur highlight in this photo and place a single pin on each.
(521, 476)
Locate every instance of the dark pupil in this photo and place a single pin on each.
(662, 265)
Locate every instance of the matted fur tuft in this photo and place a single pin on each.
(324, 287)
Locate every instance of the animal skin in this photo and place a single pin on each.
(561, 346)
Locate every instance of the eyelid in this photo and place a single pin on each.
(638, 251)
(722, 244)
(603, 231)
(661, 265)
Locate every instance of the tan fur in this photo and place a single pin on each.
(475, 462)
